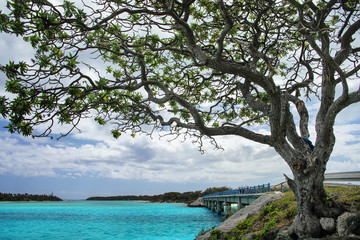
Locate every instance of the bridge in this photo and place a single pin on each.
(246, 195)
(343, 176)
(241, 196)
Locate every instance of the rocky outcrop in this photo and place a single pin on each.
(348, 224)
(230, 223)
(328, 224)
(283, 234)
(345, 227)
(197, 203)
(334, 238)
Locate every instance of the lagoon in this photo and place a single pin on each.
(92, 220)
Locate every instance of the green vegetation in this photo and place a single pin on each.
(281, 213)
(27, 197)
(204, 231)
(349, 197)
(185, 197)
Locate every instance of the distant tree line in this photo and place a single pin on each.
(27, 197)
(176, 197)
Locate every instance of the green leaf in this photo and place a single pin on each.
(25, 128)
(109, 69)
(13, 86)
(3, 106)
(116, 133)
(102, 83)
(100, 121)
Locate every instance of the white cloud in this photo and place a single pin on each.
(140, 158)
(348, 115)
(95, 153)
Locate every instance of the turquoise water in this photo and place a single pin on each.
(92, 220)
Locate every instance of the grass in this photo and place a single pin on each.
(349, 197)
(281, 213)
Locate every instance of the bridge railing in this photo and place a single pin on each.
(343, 176)
(244, 190)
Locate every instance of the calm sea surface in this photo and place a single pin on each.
(125, 220)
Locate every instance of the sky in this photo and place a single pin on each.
(93, 163)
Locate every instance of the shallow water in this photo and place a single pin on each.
(125, 220)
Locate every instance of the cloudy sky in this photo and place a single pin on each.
(92, 163)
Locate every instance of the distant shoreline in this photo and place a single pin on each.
(149, 199)
(169, 197)
(18, 197)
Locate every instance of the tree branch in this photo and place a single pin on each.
(228, 26)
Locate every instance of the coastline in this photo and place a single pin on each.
(250, 210)
(19, 197)
(270, 217)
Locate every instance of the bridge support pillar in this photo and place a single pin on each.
(219, 207)
(213, 206)
(240, 204)
(227, 207)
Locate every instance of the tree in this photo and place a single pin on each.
(195, 68)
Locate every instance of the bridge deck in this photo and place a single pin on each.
(247, 195)
(241, 197)
(343, 176)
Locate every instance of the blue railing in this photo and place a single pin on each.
(244, 190)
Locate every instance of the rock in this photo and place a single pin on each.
(283, 234)
(271, 235)
(248, 211)
(348, 223)
(249, 236)
(197, 203)
(342, 228)
(354, 224)
(334, 238)
(230, 223)
(328, 224)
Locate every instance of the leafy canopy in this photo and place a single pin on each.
(209, 67)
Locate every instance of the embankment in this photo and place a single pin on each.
(230, 223)
(270, 215)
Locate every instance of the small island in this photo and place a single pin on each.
(27, 197)
(169, 197)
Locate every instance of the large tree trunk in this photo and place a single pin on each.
(308, 164)
(312, 200)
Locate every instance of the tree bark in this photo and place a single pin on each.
(312, 199)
